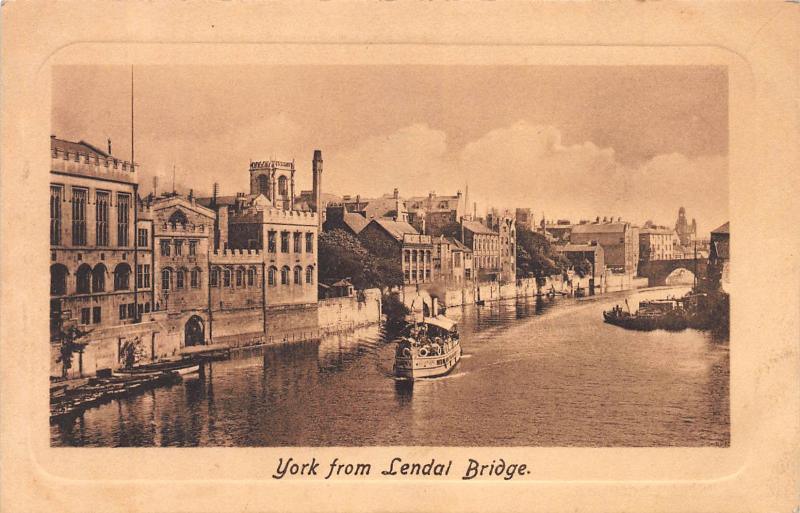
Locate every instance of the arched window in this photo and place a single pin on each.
(298, 275)
(99, 278)
(122, 277)
(239, 277)
(166, 279)
(180, 276)
(83, 279)
(283, 190)
(263, 185)
(285, 275)
(251, 276)
(309, 274)
(195, 278)
(214, 278)
(58, 280)
(271, 276)
(226, 277)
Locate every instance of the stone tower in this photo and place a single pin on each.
(316, 175)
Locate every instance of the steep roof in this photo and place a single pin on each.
(394, 228)
(600, 228)
(458, 244)
(76, 147)
(375, 207)
(476, 227)
(725, 228)
(355, 222)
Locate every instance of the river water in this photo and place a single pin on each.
(534, 373)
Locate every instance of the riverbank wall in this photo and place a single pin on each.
(469, 293)
(162, 335)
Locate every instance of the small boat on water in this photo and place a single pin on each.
(664, 314)
(183, 367)
(428, 349)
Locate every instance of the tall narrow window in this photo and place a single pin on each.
(192, 248)
(56, 197)
(179, 277)
(263, 185)
(96, 315)
(178, 247)
(283, 190)
(101, 217)
(165, 245)
(251, 277)
(298, 275)
(239, 277)
(284, 275)
(309, 274)
(271, 276)
(213, 279)
(271, 242)
(166, 278)
(143, 238)
(143, 276)
(309, 243)
(226, 278)
(123, 215)
(79, 216)
(284, 242)
(195, 278)
(298, 242)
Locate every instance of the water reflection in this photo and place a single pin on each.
(535, 371)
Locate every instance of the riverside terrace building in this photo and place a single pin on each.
(452, 260)
(397, 239)
(485, 246)
(578, 253)
(431, 214)
(657, 243)
(100, 248)
(620, 241)
(505, 226)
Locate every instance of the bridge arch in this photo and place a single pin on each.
(680, 276)
(657, 271)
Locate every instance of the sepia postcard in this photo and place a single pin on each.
(400, 257)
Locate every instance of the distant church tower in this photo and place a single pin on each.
(686, 233)
(316, 175)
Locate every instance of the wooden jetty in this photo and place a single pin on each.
(68, 402)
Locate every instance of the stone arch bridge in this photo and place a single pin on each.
(657, 271)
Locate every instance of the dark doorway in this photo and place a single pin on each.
(195, 332)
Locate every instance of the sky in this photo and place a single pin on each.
(571, 142)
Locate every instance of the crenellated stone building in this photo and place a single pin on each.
(174, 271)
(100, 248)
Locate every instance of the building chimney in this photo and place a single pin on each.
(215, 193)
(316, 176)
(109, 146)
(155, 186)
(396, 193)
